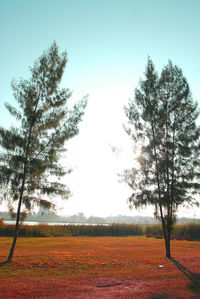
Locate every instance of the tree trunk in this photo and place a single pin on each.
(9, 260)
(167, 236)
(167, 247)
(16, 232)
(10, 256)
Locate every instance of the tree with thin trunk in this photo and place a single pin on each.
(162, 122)
(30, 151)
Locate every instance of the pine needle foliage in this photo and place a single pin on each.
(30, 152)
(163, 124)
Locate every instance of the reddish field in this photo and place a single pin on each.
(103, 267)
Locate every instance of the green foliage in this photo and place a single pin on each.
(180, 230)
(163, 125)
(154, 229)
(189, 229)
(29, 163)
(107, 230)
(31, 151)
(43, 230)
(162, 120)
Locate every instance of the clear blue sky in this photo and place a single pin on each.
(107, 42)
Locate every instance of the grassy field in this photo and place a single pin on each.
(102, 267)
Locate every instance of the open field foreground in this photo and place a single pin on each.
(99, 267)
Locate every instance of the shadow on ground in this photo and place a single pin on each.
(194, 278)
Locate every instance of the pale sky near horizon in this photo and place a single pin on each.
(108, 43)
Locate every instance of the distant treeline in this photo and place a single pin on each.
(190, 231)
(80, 218)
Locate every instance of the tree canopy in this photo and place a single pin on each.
(163, 124)
(31, 151)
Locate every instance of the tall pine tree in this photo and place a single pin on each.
(29, 165)
(162, 120)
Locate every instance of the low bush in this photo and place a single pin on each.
(154, 230)
(190, 231)
(41, 230)
(107, 230)
(44, 230)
